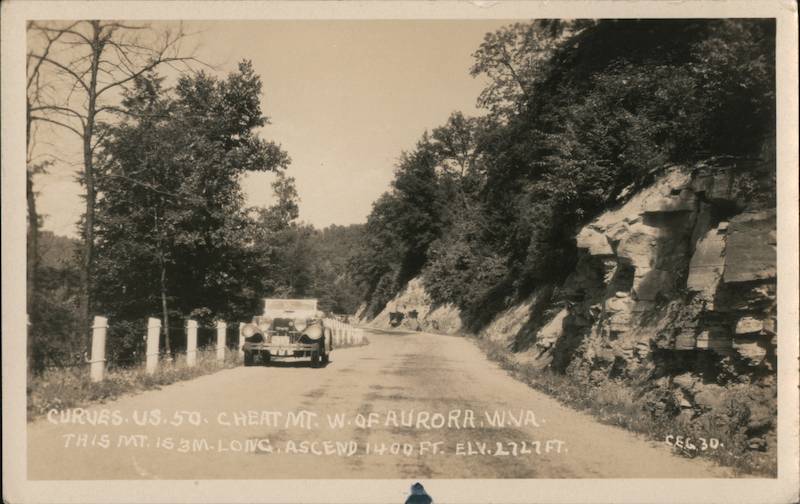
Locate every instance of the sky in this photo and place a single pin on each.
(344, 99)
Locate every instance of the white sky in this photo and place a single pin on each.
(344, 99)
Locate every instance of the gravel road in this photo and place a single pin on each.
(408, 405)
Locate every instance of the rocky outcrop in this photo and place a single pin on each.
(677, 285)
(673, 294)
(414, 309)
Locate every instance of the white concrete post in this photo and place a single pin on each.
(241, 340)
(98, 367)
(153, 333)
(191, 343)
(221, 328)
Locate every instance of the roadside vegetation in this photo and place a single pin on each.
(577, 115)
(166, 232)
(70, 387)
(615, 403)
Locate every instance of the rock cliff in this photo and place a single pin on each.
(414, 309)
(673, 294)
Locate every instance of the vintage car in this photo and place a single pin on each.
(288, 328)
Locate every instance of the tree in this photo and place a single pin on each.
(456, 145)
(85, 65)
(285, 210)
(171, 225)
(52, 335)
(281, 245)
(514, 57)
(376, 263)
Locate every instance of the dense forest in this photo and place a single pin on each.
(578, 115)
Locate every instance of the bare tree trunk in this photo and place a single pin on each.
(127, 61)
(33, 224)
(85, 303)
(33, 244)
(32, 264)
(162, 263)
(87, 271)
(164, 307)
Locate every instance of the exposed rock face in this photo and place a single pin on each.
(418, 311)
(750, 247)
(674, 293)
(677, 284)
(707, 264)
(675, 270)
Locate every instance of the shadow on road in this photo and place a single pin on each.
(291, 364)
(393, 332)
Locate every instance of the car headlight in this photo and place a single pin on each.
(249, 330)
(300, 324)
(312, 333)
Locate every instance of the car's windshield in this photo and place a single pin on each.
(282, 324)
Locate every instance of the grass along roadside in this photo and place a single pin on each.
(62, 388)
(615, 403)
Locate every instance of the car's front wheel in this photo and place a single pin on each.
(248, 358)
(265, 358)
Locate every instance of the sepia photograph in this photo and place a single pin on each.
(265, 257)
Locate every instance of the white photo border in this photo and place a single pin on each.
(17, 489)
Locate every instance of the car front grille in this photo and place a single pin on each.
(281, 340)
(284, 337)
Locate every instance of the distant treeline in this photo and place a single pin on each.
(578, 114)
(303, 262)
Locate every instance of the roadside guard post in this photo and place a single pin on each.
(241, 340)
(153, 333)
(221, 328)
(98, 367)
(191, 343)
